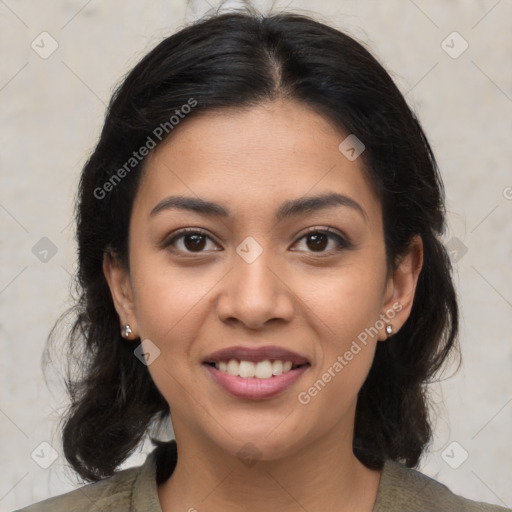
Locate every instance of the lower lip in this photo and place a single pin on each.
(254, 388)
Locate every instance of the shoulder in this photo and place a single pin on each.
(403, 488)
(105, 494)
(114, 494)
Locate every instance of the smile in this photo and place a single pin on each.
(255, 372)
(253, 387)
(261, 370)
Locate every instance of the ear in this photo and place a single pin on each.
(118, 279)
(401, 287)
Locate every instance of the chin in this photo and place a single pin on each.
(252, 446)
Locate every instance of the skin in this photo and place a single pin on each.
(294, 295)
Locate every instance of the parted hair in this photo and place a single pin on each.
(236, 60)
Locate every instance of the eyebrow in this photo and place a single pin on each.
(291, 208)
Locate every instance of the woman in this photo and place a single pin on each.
(259, 256)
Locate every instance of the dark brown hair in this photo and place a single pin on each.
(235, 60)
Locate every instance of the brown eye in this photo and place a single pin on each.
(194, 242)
(189, 241)
(317, 240)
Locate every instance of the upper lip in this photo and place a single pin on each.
(256, 355)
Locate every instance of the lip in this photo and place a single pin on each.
(256, 355)
(254, 388)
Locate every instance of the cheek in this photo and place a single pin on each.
(348, 301)
(332, 394)
(344, 354)
(167, 299)
(167, 308)
(347, 308)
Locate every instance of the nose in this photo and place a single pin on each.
(255, 293)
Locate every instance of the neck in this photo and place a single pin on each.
(323, 476)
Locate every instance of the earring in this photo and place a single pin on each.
(126, 331)
(389, 330)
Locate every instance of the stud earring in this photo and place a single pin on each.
(389, 330)
(126, 331)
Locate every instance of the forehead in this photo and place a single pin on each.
(255, 157)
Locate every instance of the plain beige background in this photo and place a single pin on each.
(52, 111)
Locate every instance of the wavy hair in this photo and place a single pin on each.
(236, 60)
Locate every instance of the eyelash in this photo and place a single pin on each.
(342, 242)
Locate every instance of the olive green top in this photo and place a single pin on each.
(135, 490)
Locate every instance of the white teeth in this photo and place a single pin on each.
(233, 367)
(277, 367)
(248, 369)
(263, 370)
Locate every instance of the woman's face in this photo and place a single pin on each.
(252, 277)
